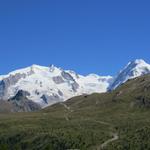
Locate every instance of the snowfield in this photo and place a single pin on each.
(49, 85)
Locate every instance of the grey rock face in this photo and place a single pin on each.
(37, 92)
(67, 76)
(21, 103)
(75, 86)
(25, 106)
(70, 80)
(72, 72)
(21, 94)
(29, 106)
(3, 88)
(45, 98)
(60, 93)
(51, 99)
(51, 68)
(58, 80)
(30, 72)
(11, 80)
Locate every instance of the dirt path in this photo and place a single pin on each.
(66, 107)
(102, 122)
(69, 110)
(103, 145)
(114, 138)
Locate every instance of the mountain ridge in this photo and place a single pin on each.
(132, 70)
(49, 85)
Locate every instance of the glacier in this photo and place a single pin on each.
(49, 85)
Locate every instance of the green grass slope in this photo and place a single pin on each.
(118, 120)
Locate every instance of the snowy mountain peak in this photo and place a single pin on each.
(53, 68)
(138, 61)
(92, 75)
(48, 85)
(132, 70)
(137, 68)
(36, 66)
(135, 64)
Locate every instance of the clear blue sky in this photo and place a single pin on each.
(98, 36)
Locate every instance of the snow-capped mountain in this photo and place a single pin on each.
(48, 85)
(132, 70)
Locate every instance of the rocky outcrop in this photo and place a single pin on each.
(58, 80)
(6, 82)
(71, 80)
(67, 76)
(51, 99)
(21, 103)
(75, 86)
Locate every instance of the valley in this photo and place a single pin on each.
(115, 120)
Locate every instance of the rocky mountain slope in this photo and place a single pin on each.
(132, 70)
(18, 103)
(48, 85)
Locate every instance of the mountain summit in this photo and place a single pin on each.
(132, 70)
(48, 85)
